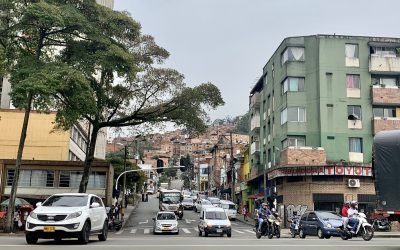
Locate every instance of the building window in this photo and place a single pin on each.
(32, 178)
(351, 50)
(353, 112)
(292, 54)
(355, 145)
(72, 179)
(384, 112)
(293, 84)
(386, 81)
(384, 51)
(293, 114)
(297, 141)
(353, 81)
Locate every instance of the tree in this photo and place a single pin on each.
(243, 124)
(127, 84)
(32, 34)
(170, 172)
(186, 180)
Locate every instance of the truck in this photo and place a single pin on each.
(386, 171)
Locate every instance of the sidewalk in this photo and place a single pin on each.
(285, 232)
(128, 212)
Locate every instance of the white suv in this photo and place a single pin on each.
(67, 216)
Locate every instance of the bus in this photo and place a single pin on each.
(170, 200)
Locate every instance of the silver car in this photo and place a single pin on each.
(165, 222)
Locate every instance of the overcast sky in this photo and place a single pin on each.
(227, 42)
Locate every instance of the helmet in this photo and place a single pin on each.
(264, 204)
(273, 210)
(353, 203)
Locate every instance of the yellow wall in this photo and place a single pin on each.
(246, 163)
(42, 143)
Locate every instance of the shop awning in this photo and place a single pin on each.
(256, 196)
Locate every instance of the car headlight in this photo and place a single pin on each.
(209, 225)
(33, 215)
(74, 215)
(228, 224)
(328, 225)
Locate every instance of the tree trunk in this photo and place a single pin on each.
(13, 194)
(88, 160)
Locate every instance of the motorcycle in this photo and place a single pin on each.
(364, 229)
(264, 228)
(294, 226)
(382, 225)
(275, 226)
(180, 212)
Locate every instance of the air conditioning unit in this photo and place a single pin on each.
(354, 183)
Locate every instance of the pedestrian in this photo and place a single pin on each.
(244, 212)
(345, 209)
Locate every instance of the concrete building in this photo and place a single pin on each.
(314, 112)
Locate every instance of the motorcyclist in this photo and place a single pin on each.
(352, 213)
(263, 213)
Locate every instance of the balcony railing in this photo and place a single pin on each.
(303, 156)
(255, 147)
(383, 123)
(384, 64)
(255, 122)
(385, 95)
(255, 100)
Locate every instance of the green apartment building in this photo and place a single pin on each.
(314, 113)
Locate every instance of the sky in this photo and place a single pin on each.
(227, 42)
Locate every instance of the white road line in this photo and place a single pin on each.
(186, 230)
(237, 231)
(196, 229)
(147, 231)
(144, 222)
(133, 231)
(187, 221)
(120, 231)
(234, 223)
(249, 231)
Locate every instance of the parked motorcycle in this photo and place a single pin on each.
(275, 226)
(364, 229)
(264, 229)
(294, 226)
(382, 224)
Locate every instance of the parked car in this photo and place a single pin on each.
(323, 224)
(187, 203)
(166, 222)
(230, 208)
(67, 215)
(215, 201)
(200, 204)
(213, 220)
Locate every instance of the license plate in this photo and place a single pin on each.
(166, 228)
(219, 230)
(49, 229)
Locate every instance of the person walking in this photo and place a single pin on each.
(244, 212)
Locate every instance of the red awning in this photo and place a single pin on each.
(256, 196)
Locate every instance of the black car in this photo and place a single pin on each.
(323, 224)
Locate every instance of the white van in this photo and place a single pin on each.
(230, 208)
(213, 220)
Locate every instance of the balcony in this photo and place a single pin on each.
(303, 156)
(383, 123)
(255, 122)
(255, 100)
(255, 147)
(253, 172)
(384, 64)
(385, 95)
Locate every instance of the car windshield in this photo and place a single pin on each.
(188, 200)
(215, 215)
(66, 201)
(214, 200)
(206, 203)
(228, 206)
(166, 216)
(328, 216)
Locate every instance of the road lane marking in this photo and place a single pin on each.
(186, 230)
(237, 231)
(147, 231)
(249, 231)
(144, 222)
(133, 231)
(120, 231)
(196, 229)
(234, 223)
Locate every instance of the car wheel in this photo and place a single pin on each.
(31, 238)
(205, 234)
(83, 237)
(292, 233)
(320, 234)
(229, 235)
(302, 235)
(195, 209)
(327, 237)
(104, 232)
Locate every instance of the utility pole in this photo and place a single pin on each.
(124, 182)
(233, 169)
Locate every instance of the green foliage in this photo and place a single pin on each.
(243, 123)
(163, 179)
(185, 178)
(170, 172)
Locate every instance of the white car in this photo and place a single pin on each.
(67, 216)
(201, 204)
(165, 222)
(230, 209)
(215, 201)
(213, 220)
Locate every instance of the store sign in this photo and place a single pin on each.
(326, 170)
(243, 186)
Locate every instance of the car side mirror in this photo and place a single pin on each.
(39, 204)
(95, 205)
